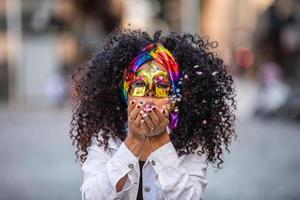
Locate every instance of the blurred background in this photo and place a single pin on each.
(43, 41)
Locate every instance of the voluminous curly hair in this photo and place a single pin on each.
(206, 117)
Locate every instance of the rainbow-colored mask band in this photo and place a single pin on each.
(153, 52)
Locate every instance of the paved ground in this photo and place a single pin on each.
(264, 164)
(37, 161)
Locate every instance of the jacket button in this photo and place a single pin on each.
(130, 166)
(153, 162)
(146, 189)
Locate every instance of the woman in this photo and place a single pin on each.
(150, 114)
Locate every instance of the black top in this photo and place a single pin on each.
(140, 192)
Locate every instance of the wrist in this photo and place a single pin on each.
(134, 144)
(136, 137)
(159, 140)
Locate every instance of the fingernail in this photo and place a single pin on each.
(141, 112)
(141, 102)
(132, 101)
(145, 115)
(164, 111)
(153, 107)
(138, 106)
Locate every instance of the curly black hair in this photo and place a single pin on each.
(206, 111)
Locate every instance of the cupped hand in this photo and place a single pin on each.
(154, 121)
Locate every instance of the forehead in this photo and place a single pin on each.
(145, 65)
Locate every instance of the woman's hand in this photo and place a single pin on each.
(136, 137)
(135, 130)
(155, 121)
(158, 120)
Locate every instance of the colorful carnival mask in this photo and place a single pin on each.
(150, 79)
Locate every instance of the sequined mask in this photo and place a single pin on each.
(150, 79)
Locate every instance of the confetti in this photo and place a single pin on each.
(214, 73)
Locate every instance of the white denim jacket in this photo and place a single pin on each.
(165, 175)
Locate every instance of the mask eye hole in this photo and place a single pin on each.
(162, 82)
(139, 82)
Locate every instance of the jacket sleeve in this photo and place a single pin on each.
(179, 177)
(102, 172)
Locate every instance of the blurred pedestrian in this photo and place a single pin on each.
(56, 90)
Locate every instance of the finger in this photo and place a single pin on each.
(165, 113)
(138, 119)
(131, 106)
(133, 115)
(167, 106)
(153, 116)
(144, 126)
(161, 114)
(148, 121)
